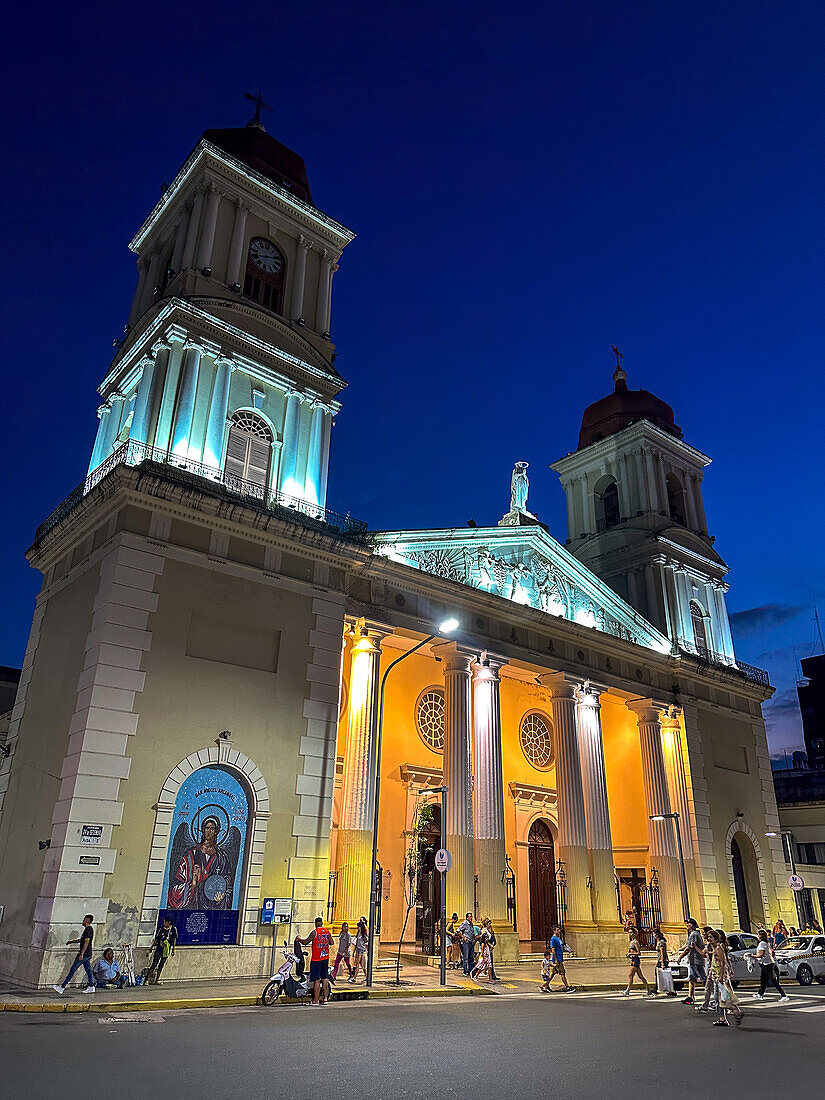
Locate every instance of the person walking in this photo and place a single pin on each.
(344, 947)
(321, 940)
(453, 943)
(663, 965)
(164, 947)
(709, 1001)
(546, 968)
(769, 970)
(488, 924)
(467, 931)
(780, 933)
(722, 971)
(694, 949)
(557, 962)
(362, 940)
(481, 970)
(634, 954)
(84, 954)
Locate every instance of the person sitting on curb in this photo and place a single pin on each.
(107, 971)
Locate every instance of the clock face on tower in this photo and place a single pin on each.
(265, 255)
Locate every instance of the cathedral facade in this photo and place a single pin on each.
(210, 692)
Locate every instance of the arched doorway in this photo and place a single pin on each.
(428, 902)
(746, 884)
(542, 864)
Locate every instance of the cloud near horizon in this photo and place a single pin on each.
(754, 619)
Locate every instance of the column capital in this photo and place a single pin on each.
(102, 410)
(242, 207)
(563, 685)
(224, 358)
(670, 717)
(209, 348)
(191, 343)
(647, 710)
(175, 333)
(454, 656)
(488, 667)
(589, 693)
(304, 242)
(367, 630)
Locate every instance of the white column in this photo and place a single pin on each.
(180, 242)
(671, 600)
(661, 483)
(723, 619)
(596, 809)
(152, 280)
(643, 501)
(210, 221)
(324, 291)
(186, 399)
(218, 407)
(661, 838)
(696, 482)
(299, 279)
(135, 311)
(140, 419)
(489, 841)
(233, 267)
(354, 852)
(585, 507)
(683, 590)
(690, 503)
(572, 838)
(677, 787)
(116, 401)
(652, 601)
(457, 831)
(170, 390)
(102, 428)
(571, 511)
(324, 474)
(652, 487)
(633, 591)
(192, 231)
(289, 460)
(625, 503)
(316, 437)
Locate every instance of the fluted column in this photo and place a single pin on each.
(624, 488)
(316, 439)
(677, 787)
(596, 809)
(718, 589)
(661, 838)
(233, 267)
(652, 487)
(324, 472)
(216, 419)
(324, 292)
(289, 460)
(696, 483)
(109, 444)
(488, 811)
(153, 278)
(354, 851)
(100, 438)
(642, 496)
(192, 230)
(140, 417)
(143, 269)
(186, 399)
(457, 831)
(210, 222)
(180, 242)
(299, 279)
(586, 526)
(572, 837)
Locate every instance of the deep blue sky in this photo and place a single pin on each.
(530, 183)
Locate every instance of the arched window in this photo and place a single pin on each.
(607, 504)
(203, 880)
(675, 499)
(700, 633)
(265, 270)
(249, 449)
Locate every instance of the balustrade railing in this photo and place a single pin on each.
(721, 660)
(132, 453)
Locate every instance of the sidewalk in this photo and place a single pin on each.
(417, 980)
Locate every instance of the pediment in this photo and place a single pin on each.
(527, 566)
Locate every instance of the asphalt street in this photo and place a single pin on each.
(512, 1045)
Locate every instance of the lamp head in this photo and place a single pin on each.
(448, 626)
(658, 817)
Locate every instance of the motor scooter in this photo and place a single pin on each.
(282, 981)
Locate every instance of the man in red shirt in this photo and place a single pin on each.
(320, 939)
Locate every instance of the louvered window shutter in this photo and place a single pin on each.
(236, 453)
(259, 452)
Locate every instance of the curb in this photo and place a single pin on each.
(218, 1002)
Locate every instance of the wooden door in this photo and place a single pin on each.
(542, 862)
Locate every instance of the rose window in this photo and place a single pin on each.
(429, 717)
(537, 740)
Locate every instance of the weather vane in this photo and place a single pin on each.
(258, 100)
(618, 355)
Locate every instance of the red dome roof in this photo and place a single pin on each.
(255, 147)
(623, 407)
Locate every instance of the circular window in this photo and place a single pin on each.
(537, 740)
(429, 717)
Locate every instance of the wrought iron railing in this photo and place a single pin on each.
(721, 660)
(132, 453)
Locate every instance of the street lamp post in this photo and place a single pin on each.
(447, 627)
(674, 816)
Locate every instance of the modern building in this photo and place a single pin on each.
(811, 692)
(196, 726)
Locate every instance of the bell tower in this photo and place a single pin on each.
(227, 364)
(635, 517)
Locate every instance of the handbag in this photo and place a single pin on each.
(724, 994)
(664, 980)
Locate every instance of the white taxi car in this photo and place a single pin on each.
(803, 958)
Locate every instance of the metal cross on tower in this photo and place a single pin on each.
(258, 100)
(618, 355)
